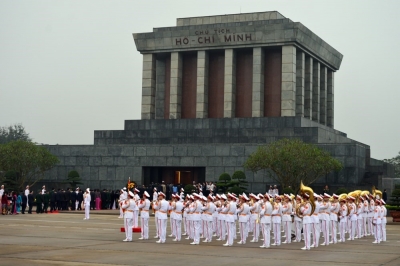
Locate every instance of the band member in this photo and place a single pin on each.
(297, 220)
(244, 216)
(136, 198)
(178, 218)
(215, 215)
(128, 207)
(335, 207)
(162, 209)
(371, 213)
(353, 217)
(265, 221)
(360, 211)
(155, 194)
(287, 210)
(144, 206)
(316, 227)
(384, 221)
(254, 218)
(86, 202)
(122, 196)
(377, 222)
(208, 211)
(230, 210)
(366, 212)
(343, 220)
(189, 221)
(221, 218)
(195, 212)
(325, 218)
(184, 220)
(305, 210)
(276, 220)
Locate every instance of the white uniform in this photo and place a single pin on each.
(221, 223)
(136, 198)
(265, 222)
(371, 212)
(377, 220)
(287, 209)
(365, 218)
(307, 221)
(195, 213)
(86, 203)
(276, 223)
(244, 215)
(316, 227)
(298, 225)
(325, 218)
(208, 212)
(384, 221)
(162, 209)
(230, 220)
(343, 222)
(254, 225)
(26, 194)
(123, 196)
(144, 207)
(335, 207)
(360, 211)
(128, 207)
(353, 220)
(177, 213)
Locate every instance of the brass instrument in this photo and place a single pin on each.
(364, 194)
(304, 189)
(376, 193)
(297, 208)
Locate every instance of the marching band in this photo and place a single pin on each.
(302, 217)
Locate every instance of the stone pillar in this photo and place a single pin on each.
(148, 86)
(330, 100)
(160, 88)
(315, 91)
(258, 83)
(230, 83)
(175, 86)
(202, 85)
(323, 94)
(288, 95)
(308, 87)
(300, 79)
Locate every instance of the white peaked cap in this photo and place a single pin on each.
(146, 194)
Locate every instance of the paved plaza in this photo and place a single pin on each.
(66, 239)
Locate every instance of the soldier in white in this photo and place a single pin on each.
(297, 220)
(162, 209)
(276, 220)
(325, 218)
(26, 194)
(144, 206)
(208, 211)
(287, 210)
(265, 221)
(155, 210)
(171, 209)
(384, 221)
(215, 215)
(230, 209)
(306, 212)
(335, 207)
(184, 221)
(182, 194)
(136, 198)
(353, 217)
(86, 203)
(254, 218)
(128, 206)
(43, 190)
(221, 218)
(189, 221)
(316, 227)
(377, 222)
(360, 211)
(367, 232)
(155, 194)
(76, 197)
(371, 213)
(271, 191)
(343, 213)
(122, 196)
(177, 213)
(195, 213)
(244, 214)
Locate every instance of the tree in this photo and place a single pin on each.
(238, 184)
(28, 160)
(290, 160)
(224, 181)
(13, 132)
(74, 179)
(396, 162)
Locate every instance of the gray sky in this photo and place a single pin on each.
(68, 68)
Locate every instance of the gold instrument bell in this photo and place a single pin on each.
(304, 189)
(376, 193)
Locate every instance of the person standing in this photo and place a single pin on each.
(46, 201)
(343, 220)
(287, 210)
(72, 198)
(353, 217)
(24, 202)
(86, 201)
(80, 199)
(384, 221)
(39, 202)
(384, 195)
(4, 202)
(335, 207)
(144, 206)
(255, 212)
(208, 211)
(31, 200)
(305, 210)
(178, 219)
(162, 209)
(136, 198)
(277, 220)
(244, 216)
(26, 193)
(377, 222)
(128, 205)
(325, 218)
(19, 202)
(265, 214)
(230, 209)
(53, 195)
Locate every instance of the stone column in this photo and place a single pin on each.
(308, 87)
(300, 79)
(148, 86)
(202, 85)
(330, 100)
(288, 95)
(315, 91)
(160, 88)
(258, 83)
(323, 94)
(230, 83)
(175, 86)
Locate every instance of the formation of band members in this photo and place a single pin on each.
(357, 214)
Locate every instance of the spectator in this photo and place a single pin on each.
(384, 195)
(19, 202)
(276, 190)
(24, 202)
(326, 189)
(4, 203)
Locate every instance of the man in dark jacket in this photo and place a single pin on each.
(39, 202)
(53, 196)
(59, 199)
(72, 198)
(46, 201)
(24, 202)
(80, 199)
(31, 200)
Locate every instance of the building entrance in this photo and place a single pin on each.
(173, 175)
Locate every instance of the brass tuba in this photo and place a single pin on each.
(356, 194)
(376, 193)
(304, 189)
(364, 193)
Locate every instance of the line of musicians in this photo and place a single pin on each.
(219, 216)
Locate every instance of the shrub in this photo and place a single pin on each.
(288, 190)
(189, 189)
(341, 191)
(236, 190)
(396, 193)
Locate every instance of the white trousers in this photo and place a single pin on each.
(121, 213)
(325, 231)
(243, 231)
(266, 231)
(256, 229)
(231, 233)
(197, 228)
(360, 228)
(178, 229)
(287, 227)
(157, 227)
(76, 205)
(297, 230)
(377, 233)
(162, 228)
(383, 231)
(184, 225)
(145, 228)
(172, 226)
(353, 226)
(370, 229)
(276, 227)
(128, 224)
(135, 218)
(316, 231)
(87, 211)
(307, 235)
(222, 232)
(333, 231)
(342, 230)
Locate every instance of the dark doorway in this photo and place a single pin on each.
(174, 175)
